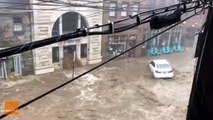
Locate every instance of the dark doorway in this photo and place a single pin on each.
(68, 59)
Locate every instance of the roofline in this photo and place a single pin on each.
(16, 11)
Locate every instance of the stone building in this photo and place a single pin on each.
(52, 20)
(15, 29)
(23, 21)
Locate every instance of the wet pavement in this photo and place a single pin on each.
(121, 90)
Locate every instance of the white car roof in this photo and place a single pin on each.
(160, 61)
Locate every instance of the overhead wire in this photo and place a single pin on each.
(20, 6)
(57, 3)
(62, 85)
(56, 9)
(36, 44)
(90, 15)
(86, 16)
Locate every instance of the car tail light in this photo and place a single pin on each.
(157, 71)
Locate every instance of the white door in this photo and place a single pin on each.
(17, 64)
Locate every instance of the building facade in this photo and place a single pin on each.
(114, 44)
(51, 21)
(182, 35)
(15, 29)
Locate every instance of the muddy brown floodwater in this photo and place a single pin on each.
(121, 90)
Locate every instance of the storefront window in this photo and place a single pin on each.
(115, 48)
(164, 39)
(10, 66)
(116, 45)
(154, 41)
(176, 36)
(17, 62)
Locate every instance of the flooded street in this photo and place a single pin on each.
(121, 90)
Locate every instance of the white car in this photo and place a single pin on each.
(161, 68)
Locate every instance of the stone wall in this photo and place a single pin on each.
(9, 39)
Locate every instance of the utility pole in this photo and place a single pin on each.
(201, 98)
(61, 51)
(73, 67)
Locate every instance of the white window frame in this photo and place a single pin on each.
(135, 9)
(17, 24)
(18, 27)
(124, 11)
(112, 7)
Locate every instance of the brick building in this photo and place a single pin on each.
(114, 44)
(182, 34)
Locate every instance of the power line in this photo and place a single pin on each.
(87, 16)
(103, 13)
(79, 33)
(56, 9)
(111, 59)
(20, 6)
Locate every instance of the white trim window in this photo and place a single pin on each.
(124, 11)
(18, 26)
(112, 7)
(135, 8)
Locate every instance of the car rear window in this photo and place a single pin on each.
(162, 66)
